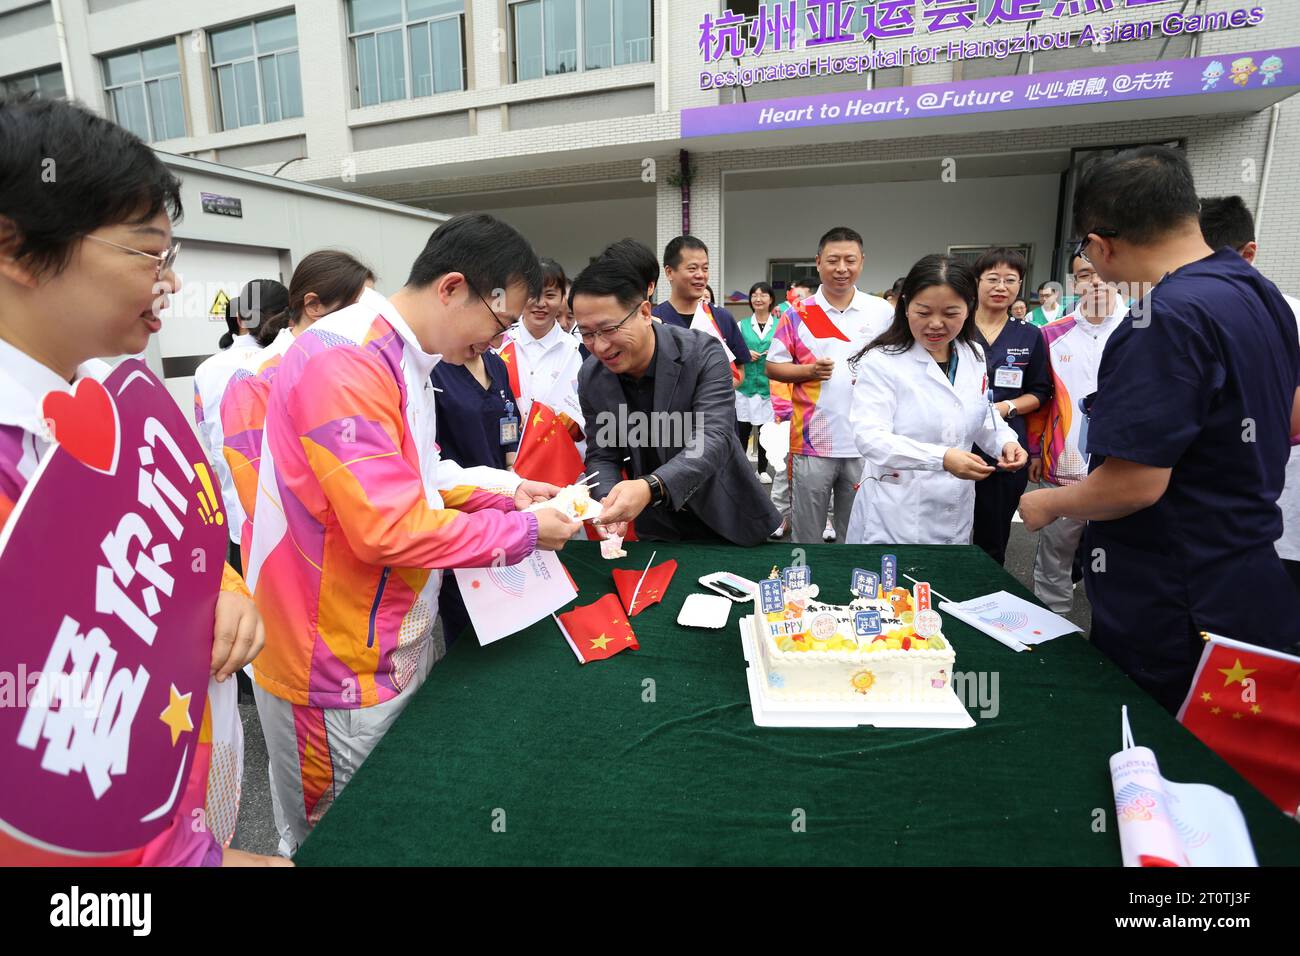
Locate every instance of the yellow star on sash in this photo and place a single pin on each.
(600, 643)
(177, 714)
(1206, 697)
(1236, 673)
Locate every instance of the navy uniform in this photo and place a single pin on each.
(1017, 362)
(1202, 384)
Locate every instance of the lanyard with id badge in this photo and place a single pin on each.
(509, 423)
(1008, 376)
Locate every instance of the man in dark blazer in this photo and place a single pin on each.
(659, 405)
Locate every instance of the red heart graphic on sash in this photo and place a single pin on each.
(84, 423)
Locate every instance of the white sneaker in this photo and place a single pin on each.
(764, 478)
(780, 532)
(829, 533)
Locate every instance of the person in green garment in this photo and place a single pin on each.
(1049, 305)
(753, 394)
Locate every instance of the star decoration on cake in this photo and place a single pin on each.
(177, 714)
(1235, 674)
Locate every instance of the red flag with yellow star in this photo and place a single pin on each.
(1245, 706)
(599, 630)
(546, 449)
(652, 588)
(510, 356)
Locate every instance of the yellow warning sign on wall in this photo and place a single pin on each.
(219, 304)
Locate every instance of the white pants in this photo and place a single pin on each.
(314, 751)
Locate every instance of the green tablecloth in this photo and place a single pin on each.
(580, 769)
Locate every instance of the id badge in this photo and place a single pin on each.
(509, 430)
(1008, 376)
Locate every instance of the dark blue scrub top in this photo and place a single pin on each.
(1019, 345)
(726, 325)
(469, 416)
(1202, 382)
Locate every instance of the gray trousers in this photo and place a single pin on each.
(781, 490)
(1053, 562)
(814, 482)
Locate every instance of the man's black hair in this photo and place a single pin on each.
(1137, 195)
(490, 254)
(636, 255)
(1225, 221)
(839, 234)
(65, 172)
(673, 251)
(611, 275)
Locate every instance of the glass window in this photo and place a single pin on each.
(290, 83)
(161, 61)
(560, 35)
(597, 34)
(448, 60)
(144, 88)
(392, 66)
(416, 46)
(632, 31)
(528, 40)
(47, 84)
(370, 14)
(123, 68)
(256, 69)
(277, 33)
(233, 44)
(421, 61)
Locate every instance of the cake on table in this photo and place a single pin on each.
(885, 646)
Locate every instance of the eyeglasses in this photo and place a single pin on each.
(165, 261)
(995, 280)
(1087, 238)
(504, 327)
(591, 336)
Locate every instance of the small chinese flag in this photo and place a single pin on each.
(546, 449)
(1245, 706)
(511, 357)
(653, 587)
(818, 322)
(599, 630)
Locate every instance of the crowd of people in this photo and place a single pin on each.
(367, 440)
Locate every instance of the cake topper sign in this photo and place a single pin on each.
(867, 623)
(797, 578)
(921, 595)
(771, 595)
(866, 584)
(889, 571)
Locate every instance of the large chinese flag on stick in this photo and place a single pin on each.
(818, 322)
(546, 449)
(1245, 706)
(652, 588)
(599, 630)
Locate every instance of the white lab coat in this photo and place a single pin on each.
(905, 415)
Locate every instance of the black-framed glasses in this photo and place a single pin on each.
(165, 261)
(506, 327)
(1082, 244)
(589, 337)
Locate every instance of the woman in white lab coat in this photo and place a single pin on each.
(919, 403)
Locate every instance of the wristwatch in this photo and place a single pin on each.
(658, 493)
(1012, 411)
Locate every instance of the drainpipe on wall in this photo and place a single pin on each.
(684, 160)
(65, 59)
(1268, 166)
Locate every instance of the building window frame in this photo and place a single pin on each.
(9, 84)
(404, 29)
(257, 58)
(580, 40)
(149, 85)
